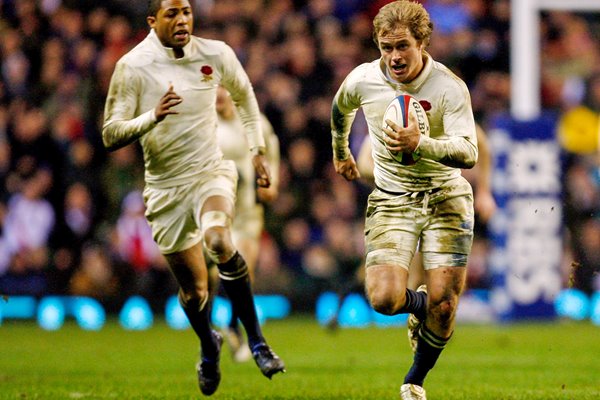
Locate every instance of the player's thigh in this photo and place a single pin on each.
(391, 237)
(386, 283)
(216, 201)
(449, 231)
(217, 192)
(392, 230)
(171, 215)
(416, 273)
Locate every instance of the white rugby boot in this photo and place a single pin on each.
(408, 391)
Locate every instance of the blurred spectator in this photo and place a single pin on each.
(24, 244)
(30, 218)
(74, 228)
(121, 174)
(95, 277)
(141, 266)
(15, 66)
(578, 130)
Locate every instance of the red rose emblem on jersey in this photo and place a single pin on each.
(206, 73)
(425, 104)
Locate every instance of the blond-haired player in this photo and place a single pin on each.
(428, 203)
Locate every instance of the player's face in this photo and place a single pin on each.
(402, 54)
(174, 23)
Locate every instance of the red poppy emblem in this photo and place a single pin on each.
(206, 73)
(425, 104)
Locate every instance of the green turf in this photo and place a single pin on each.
(524, 361)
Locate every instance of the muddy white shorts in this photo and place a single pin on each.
(439, 223)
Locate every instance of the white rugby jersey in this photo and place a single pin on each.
(184, 145)
(447, 102)
(228, 136)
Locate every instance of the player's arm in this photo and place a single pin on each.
(458, 149)
(267, 195)
(343, 112)
(485, 204)
(236, 81)
(121, 125)
(400, 139)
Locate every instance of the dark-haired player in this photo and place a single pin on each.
(162, 94)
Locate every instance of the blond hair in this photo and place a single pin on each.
(403, 14)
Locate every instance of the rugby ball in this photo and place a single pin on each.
(398, 111)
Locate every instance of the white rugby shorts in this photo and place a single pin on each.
(174, 212)
(442, 228)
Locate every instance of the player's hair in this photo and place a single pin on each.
(153, 7)
(403, 13)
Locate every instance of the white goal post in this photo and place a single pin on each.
(525, 51)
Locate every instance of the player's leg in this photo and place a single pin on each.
(445, 245)
(444, 286)
(248, 247)
(416, 273)
(216, 221)
(391, 235)
(388, 294)
(190, 272)
(175, 231)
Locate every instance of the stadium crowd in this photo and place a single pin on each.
(71, 214)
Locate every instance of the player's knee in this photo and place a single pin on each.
(384, 302)
(218, 244)
(193, 299)
(445, 308)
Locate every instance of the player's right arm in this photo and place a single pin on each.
(121, 125)
(343, 111)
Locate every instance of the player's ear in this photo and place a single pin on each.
(151, 20)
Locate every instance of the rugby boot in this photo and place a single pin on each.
(408, 391)
(268, 362)
(209, 374)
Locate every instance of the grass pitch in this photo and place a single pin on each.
(559, 360)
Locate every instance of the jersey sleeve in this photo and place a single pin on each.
(236, 81)
(459, 147)
(343, 111)
(121, 125)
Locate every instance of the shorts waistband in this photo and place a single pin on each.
(411, 194)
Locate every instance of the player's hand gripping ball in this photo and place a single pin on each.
(398, 111)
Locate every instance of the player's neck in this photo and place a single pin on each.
(178, 52)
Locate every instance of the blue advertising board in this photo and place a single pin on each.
(526, 232)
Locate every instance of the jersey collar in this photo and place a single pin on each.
(168, 50)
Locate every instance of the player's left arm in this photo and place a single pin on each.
(268, 195)
(236, 81)
(458, 148)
